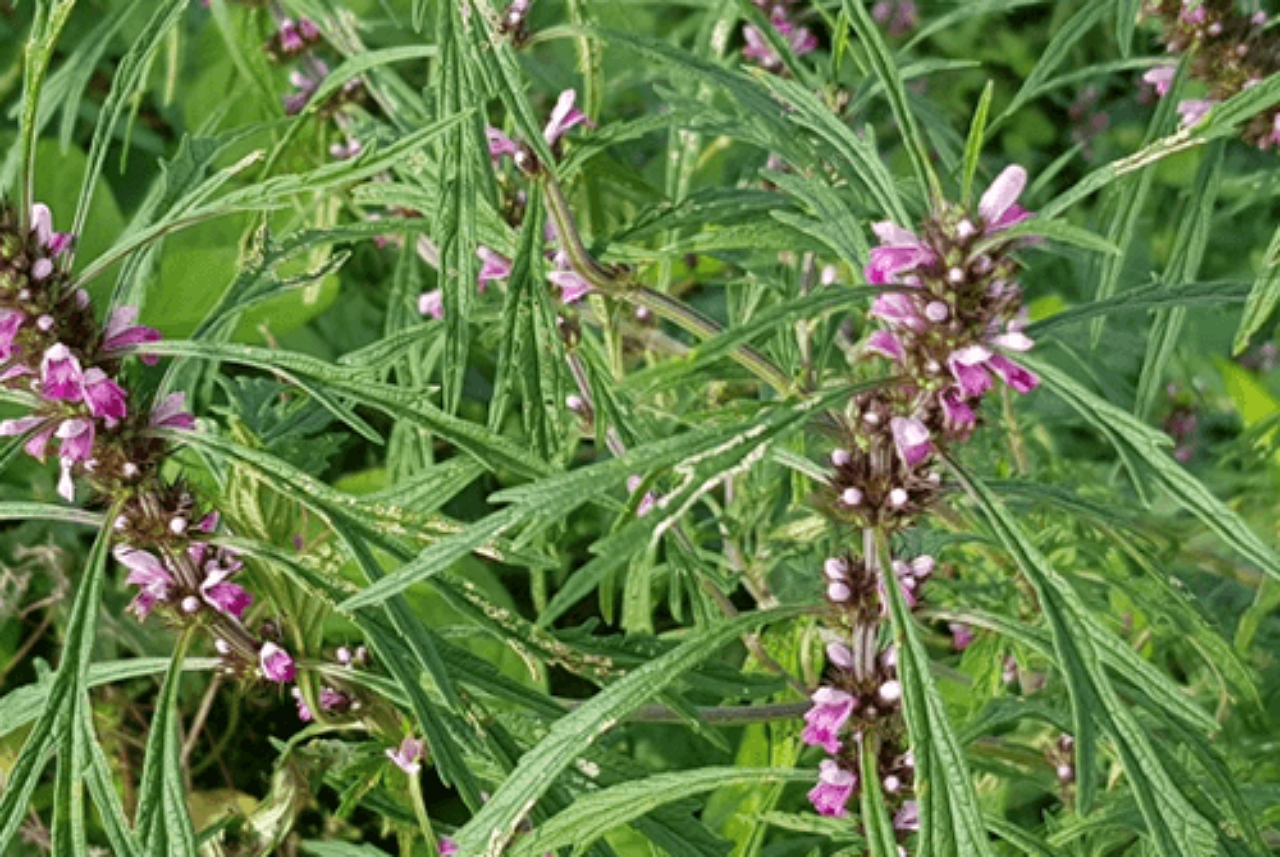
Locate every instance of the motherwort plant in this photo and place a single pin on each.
(70, 372)
(948, 323)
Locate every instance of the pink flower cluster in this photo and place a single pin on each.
(953, 316)
(800, 39)
(52, 347)
(1231, 51)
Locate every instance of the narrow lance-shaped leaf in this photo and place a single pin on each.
(491, 829)
(950, 817)
(1150, 447)
(70, 681)
(1173, 823)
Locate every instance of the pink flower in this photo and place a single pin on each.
(1018, 377)
(77, 440)
(573, 287)
(105, 398)
(147, 572)
(835, 786)
(447, 847)
(304, 712)
(563, 117)
(907, 818)
(911, 437)
(831, 708)
(60, 374)
(224, 596)
(38, 442)
(10, 323)
(171, 413)
(291, 41)
(56, 243)
(757, 49)
(408, 755)
(1193, 110)
(121, 334)
(885, 344)
(276, 664)
(899, 310)
(961, 635)
(1161, 77)
(998, 206)
(500, 144)
(432, 304)
(966, 365)
(493, 266)
(956, 410)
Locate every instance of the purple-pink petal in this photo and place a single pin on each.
(171, 413)
(432, 304)
(572, 286)
(122, 334)
(10, 323)
(60, 374)
(1002, 194)
(563, 117)
(276, 663)
(105, 398)
(831, 709)
(408, 755)
(885, 344)
(956, 410)
(835, 786)
(1018, 377)
(77, 440)
(1161, 77)
(911, 437)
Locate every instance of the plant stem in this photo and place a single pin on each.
(618, 285)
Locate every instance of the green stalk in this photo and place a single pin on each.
(619, 285)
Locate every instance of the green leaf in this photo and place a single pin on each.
(951, 822)
(1190, 243)
(129, 78)
(1055, 54)
(1173, 823)
(67, 687)
(875, 815)
(491, 829)
(1132, 437)
(973, 145)
(162, 821)
(595, 814)
(1263, 298)
(886, 71)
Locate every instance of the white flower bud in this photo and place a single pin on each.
(835, 568)
(850, 497)
(190, 604)
(891, 691)
(898, 498)
(841, 458)
(838, 591)
(955, 276)
(937, 312)
(178, 525)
